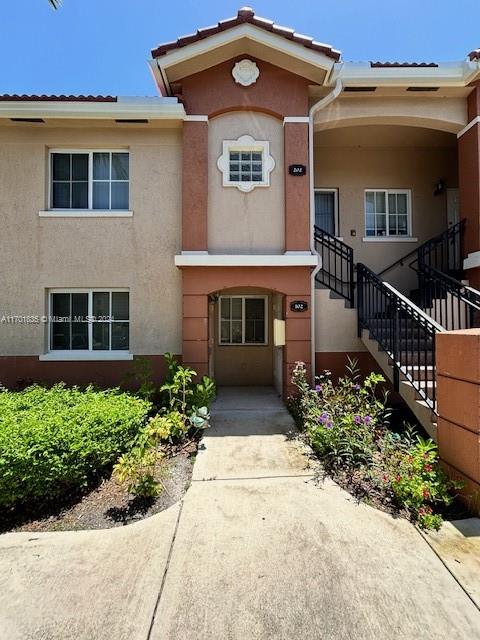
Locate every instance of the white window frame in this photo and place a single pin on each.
(86, 354)
(243, 343)
(88, 211)
(246, 143)
(336, 221)
(389, 238)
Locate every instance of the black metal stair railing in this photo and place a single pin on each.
(448, 301)
(443, 252)
(402, 330)
(337, 266)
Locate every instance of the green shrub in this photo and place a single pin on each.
(166, 427)
(181, 393)
(347, 425)
(136, 470)
(56, 440)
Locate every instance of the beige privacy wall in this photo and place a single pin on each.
(353, 159)
(241, 222)
(137, 253)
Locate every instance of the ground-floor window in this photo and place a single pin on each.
(243, 320)
(89, 320)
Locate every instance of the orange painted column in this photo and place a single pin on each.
(458, 396)
(469, 181)
(195, 328)
(195, 186)
(297, 188)
(298, 340)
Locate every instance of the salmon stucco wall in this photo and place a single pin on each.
(458, 397)
(292, 282)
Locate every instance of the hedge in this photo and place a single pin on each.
(56, 440)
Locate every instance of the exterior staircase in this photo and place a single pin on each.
(397, 330)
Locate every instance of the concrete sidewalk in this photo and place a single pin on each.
(256, 551)
(263, 553)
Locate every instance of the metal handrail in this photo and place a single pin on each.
(452, 303)
(336, 271)
(404, 331)
(426, 248)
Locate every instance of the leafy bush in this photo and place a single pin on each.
(136, 469)
(179, 390)
(167, 427)
(347, 425)
(56, 440)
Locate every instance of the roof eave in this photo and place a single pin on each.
(315, 59)
(124, 108)
(446, 74)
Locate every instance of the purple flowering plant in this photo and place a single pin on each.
(347, 424)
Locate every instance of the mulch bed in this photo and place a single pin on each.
(106, 504)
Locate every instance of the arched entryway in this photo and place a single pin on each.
(260, 362)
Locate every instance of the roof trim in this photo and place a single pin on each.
(385, 65)
(445, 74)
(6, 97)
(122, 108)
(247, 15)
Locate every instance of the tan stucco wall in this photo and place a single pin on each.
(245, 222)
(335, 325)
(353, 159)
(138, 252)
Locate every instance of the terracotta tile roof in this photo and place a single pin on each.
(385, 65)
(474, 55)
(43, 98)
(247, 15)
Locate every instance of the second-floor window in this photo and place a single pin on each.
(246, 166)
(387, 212)
(97, 180)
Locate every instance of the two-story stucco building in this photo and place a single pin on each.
(225, 220)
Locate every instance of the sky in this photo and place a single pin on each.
(101, 46)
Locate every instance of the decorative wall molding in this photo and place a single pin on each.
(245, 72)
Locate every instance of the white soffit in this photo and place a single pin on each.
(153, 108)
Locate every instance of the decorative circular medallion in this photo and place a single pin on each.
(245, 72)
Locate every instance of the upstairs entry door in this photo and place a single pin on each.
(326, 210)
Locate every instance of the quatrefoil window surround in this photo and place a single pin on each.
(246, 163)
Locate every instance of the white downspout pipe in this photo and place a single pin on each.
(318, 106)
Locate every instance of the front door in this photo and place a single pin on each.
(243, 340)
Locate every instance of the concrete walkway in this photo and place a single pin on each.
(256, 551)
